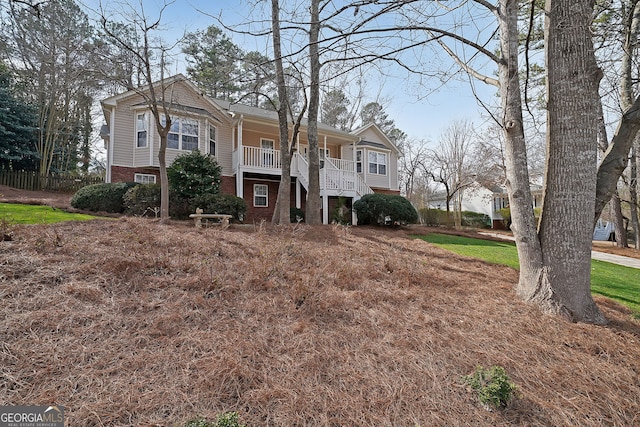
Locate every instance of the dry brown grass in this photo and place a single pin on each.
(131, 323)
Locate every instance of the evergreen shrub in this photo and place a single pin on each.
(107, 197)
(384, 209)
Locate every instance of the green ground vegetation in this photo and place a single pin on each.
(611, 280)
(36, 214)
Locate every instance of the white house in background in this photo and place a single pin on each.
(487, 200)
(245, 142)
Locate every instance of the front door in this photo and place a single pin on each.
(267, 146)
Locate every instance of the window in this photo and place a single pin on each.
(212, 140)
(377, 163)
(141, 130)
(144, 178)
(183, 134)
(359, 161)
(260, 195)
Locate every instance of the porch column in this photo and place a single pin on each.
(354, 217)
(325, 207)
(240, 149)
(239, 183)
(298, 194)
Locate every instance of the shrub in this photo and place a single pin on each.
(194, 174)
(220, 203)
(341, 214)
(476, 219)
(380, 209)
(433, 217)
(296, 214)
(492, 386)
(144, 200)
(106, 197)
(227, 419)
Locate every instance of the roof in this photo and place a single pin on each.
(272, 116)
(389, 144)
(373, 144)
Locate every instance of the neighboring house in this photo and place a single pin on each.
(245, 142)
(487, 200)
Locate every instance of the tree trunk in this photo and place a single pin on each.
(164, 180)
(523, 222)
(633, 190)
(281, 214)
(566, 232)
(555, 263)
(618, 220)
(313, 196)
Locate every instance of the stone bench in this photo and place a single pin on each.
(223, 219)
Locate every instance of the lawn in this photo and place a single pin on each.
(613, 281)
(36, 214)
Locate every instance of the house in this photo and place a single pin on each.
(245, 142)
(485, 199)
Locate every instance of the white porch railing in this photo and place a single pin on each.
(345, 165)
(337, 175)
(261, 158)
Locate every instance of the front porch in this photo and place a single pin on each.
(338, 177)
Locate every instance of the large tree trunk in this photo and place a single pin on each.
(566, 232)
(523, 222)
(281, 214)
(555, 263)
(313, 196)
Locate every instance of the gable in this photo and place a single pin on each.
(371, 136)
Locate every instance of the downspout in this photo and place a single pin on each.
(112, 125)
(239, 171)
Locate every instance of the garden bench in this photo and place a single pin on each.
(223, 219)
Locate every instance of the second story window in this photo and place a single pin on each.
(141, 130)
(212, 140)
(359, 161)
(183, 134)
(377, 163)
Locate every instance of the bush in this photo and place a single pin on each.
(492, 386)
(476, 219)
(384, 209)
(194, 174)
(296, 214)
(433, 217)
(144, 200)
(220, 203)
(106, 197)
(227, 419)
(341, 214)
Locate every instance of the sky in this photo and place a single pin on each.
(421, 110)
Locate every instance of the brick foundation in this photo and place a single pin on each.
(125, 174)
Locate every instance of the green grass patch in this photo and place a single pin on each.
(610, 280)
(36, 214)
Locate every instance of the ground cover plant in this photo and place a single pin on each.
(610, 280)
(128, 322)
(35, 214)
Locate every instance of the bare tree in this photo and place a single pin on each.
(450, 165)
(150, 61)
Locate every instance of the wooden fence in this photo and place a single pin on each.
(26, 180)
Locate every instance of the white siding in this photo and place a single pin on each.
(125, 152)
